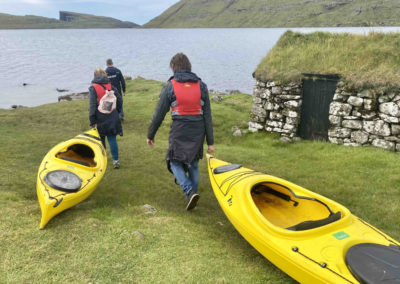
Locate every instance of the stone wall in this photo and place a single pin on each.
(276, 108)
(365, 117)
(358, 117)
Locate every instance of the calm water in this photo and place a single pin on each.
(66, 59)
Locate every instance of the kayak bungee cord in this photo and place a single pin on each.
(58, 201)
(322, 265)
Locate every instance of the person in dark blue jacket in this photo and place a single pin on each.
(108, 125)
(117, 80)
(188, 98)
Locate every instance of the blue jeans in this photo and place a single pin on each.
(112, 141)
(187, 180)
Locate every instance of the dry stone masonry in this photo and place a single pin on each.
(358, 117)
(276, 108)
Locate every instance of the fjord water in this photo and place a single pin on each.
(49, 59)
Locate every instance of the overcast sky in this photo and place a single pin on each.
(138, 11)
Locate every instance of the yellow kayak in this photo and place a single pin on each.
(310, 237)
(69, 173)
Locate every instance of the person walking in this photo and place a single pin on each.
(107, 124)
(188, 98)
(117, 81)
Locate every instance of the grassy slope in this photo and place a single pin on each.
(278, 13)
(362, 59)
(35, 22)
(95, 241)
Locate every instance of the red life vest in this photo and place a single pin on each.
(188, 98)
(101, 90)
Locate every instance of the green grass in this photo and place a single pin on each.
(277, 13)
(371, 59)
(96, 242)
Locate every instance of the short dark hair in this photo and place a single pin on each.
(109, 61)
(180, 62)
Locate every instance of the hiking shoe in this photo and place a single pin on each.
(192, 199)
(116, 164)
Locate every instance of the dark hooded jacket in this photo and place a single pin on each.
(187, 132)
(116, 78)
(107, 124)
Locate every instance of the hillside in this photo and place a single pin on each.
(278, 13)
(80, 21)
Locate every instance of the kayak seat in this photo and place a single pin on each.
(79, 154)
(226, 168)
(74, 161)
(374, 263)
(307, 225)
(281, 206)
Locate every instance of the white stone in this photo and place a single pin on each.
(339, 132)
(338, 97)
(275, 124)
(258, 111)
(265, 94)
(360, 137)
(383, 99)
(369, 126)
(369, 104)
(335, 140)
(369, 116)
(276, 90)
(269, 106)
(355, 101)
(289, 97)
(352, 144)
(381, 128)
(350, 117)
(270, 84)
(353, 124)
(257, 100)
(395, 129)
(292, 104)
(254, 127)
(237, 133)
(390, 108)
(292, 120)
(396, 98)
(275, 115)
(388, 118)
(290, 113)
(335, 120)
(288, 126)
(285, 139)
(380, 143)
(365, 94)
(340, 109)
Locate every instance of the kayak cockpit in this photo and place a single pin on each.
(78, 153)
(283, 208)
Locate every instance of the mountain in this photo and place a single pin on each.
(75, 21)
(278, 13)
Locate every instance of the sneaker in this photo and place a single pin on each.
(192, 199)
(116, 164)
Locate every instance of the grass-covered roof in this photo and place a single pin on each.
(372, 59)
